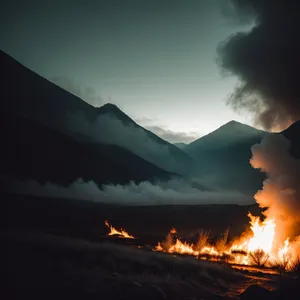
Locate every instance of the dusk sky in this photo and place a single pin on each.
(155, 59)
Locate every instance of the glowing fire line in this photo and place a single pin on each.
(261, 239)
(121, 233)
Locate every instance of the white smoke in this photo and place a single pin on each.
(174, 192)
(281, 190)
(110, 130)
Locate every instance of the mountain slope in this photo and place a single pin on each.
(224, 156)
(33, 151)
(292, 133)
(230, 133)
(124, 131)
(180, 145)
(26, 93)
(31, 96)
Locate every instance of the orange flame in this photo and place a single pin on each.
(262, 238)
(263, 234)
(173, 230)
(121, 233)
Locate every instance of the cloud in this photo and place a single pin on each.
(88, 93)
(110, 130)
(174, 192)
(266, 61)
(172, 136)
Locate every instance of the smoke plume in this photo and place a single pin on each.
(281, 190)
(266, 61)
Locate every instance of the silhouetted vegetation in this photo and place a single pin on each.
(294, 269)
(259, 258)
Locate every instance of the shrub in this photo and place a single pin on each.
(259, 258)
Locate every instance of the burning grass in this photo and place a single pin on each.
(256, 249)
(121, 233)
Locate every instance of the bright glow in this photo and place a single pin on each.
(263, 234)
(121, 233)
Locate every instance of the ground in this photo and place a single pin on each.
(60, 249)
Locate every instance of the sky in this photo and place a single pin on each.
(156, 59)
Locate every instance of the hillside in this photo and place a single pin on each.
(223, 155)
(292, 133)
(120, 129)
(180, 145)
(33, 151)
(27, 94)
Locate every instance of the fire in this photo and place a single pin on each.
(285, 250)
(263, 235)
(173, 231)
(260, 241)
(121, 233)
(268, 241)
(180, 247)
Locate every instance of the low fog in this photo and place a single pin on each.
(111, 130)
(174, 192)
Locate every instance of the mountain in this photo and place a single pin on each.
(292, 133)
(33, 151)
(27, 94)
(180, 145)
(223, 156)
(228, 134)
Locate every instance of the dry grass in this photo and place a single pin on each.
(203, 240)
(282, 264)
(78, 260)
(259, 258)
(222, 242)
(294, 268)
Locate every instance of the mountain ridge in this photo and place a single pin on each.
(40, 100)
(227, 133)
(60, 159)
(224, 156)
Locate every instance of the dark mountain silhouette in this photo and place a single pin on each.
(141, 141)
(292, 133)
(230, 133)
(33, 151)
(114, 111)
(224, 156)
(27, 94)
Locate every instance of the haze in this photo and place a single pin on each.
(156, 60)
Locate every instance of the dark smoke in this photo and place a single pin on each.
(266, 60)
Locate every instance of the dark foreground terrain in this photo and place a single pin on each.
(58, 249)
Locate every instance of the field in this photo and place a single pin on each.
(57, 248)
